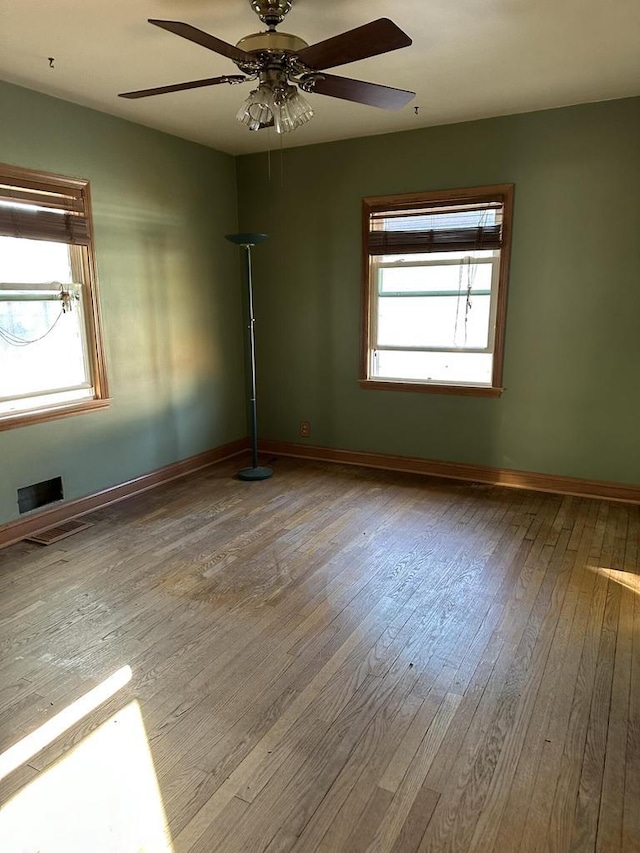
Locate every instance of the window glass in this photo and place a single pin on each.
(454, 277)
(33, 261)
(434, 366)
(434, 321)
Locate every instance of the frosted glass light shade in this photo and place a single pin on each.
(283, 107)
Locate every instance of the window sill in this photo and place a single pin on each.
(425, 388)
(42, 415)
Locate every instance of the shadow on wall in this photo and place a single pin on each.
(297, 335)
(155, 282)
(157, 308)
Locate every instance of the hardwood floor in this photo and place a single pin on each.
(337, 659)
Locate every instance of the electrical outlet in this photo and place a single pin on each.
(305, 429)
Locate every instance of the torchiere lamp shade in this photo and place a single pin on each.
(246, 239)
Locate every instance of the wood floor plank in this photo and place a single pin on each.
(478, 790)
(631, 813)
(585, 825)
(374, 814)
(566, 791)
(414, 827)
(331, 825)
(508, 833)
(526, 689)
(532, 832)
(413, 780)
(611, 807)
(343, 660)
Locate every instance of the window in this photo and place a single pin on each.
(435, 288)
(51, 357)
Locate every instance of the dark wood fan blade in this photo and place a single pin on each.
(200, 37)
(372, 94)
(371, 39)
(178, 87)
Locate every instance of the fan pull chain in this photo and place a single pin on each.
(269, 154)
(281, 164)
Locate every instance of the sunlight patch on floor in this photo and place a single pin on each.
(31, 744)
(630, 580)
(101, 797)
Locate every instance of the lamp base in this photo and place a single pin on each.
(258, 473)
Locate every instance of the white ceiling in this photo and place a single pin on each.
(469, 59)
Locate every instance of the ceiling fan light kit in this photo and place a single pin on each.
(275, 103)
(283, 64)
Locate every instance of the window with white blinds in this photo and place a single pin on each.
(435, 284)
(51, 355)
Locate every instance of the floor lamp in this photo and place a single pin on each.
(256, 472)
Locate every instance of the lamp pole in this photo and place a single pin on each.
(247, 242)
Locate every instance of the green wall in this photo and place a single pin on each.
(171, 300)
(572, 360)
(169, 290)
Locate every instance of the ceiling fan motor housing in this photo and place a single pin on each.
(271, 12)
(271, 42)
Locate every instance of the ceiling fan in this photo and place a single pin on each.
(284, 64)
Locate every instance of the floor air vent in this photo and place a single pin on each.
(60, 531)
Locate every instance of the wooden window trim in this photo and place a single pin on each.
(373, 204)
(93, 317)
(430, 388)
(53, 413)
